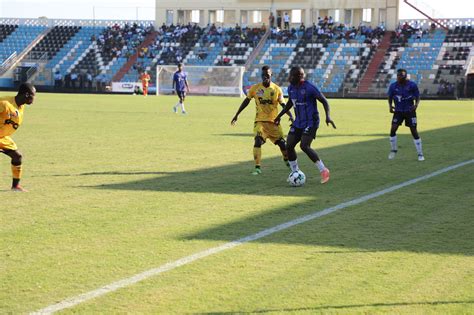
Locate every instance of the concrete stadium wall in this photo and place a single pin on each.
(238, 11)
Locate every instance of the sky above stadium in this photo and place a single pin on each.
(144, 9)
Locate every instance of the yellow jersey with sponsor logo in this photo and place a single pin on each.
(11, 116)
(267, 100)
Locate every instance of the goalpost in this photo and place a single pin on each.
(203, 80)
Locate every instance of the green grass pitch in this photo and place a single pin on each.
(120, 184)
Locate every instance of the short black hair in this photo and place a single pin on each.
(26, 88)
(401, 70)
(296, 69)
(180, 64)
(265, 68)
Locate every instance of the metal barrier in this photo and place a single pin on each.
(8, 62)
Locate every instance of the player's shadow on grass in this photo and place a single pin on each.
(112, 173)
(410, 219)
(319, 135)
(344, 307)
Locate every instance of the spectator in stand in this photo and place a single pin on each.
(89, 80)
(279, 20)
(375, 42)
(58, 79)
(419, 34)
(73, 79)
(286, 19)
(271, 20)
(67, 80)
(330, 21)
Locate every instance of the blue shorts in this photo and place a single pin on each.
(181, 94)
(408, 117)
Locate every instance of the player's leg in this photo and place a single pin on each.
(257, 154)
(259, 140)
(175, 107)
(412, 124)
(281, 143)
(396, 121)
(275, 134)
(294, 136)
(183, 96)
(306, 140)
(145, 90)
(16, 160)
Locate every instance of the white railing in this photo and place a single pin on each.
(449, 23)
(71, 22)
(470, 65)
(8, 62)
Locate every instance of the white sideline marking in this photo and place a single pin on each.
(70, 302)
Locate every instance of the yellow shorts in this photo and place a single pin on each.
(268, 130)
(7, 143)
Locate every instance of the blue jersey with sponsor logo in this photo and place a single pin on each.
(179, 79)
(304, 98)
(404, 95)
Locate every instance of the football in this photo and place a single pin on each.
(296, 178)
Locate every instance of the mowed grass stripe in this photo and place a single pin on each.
(68, 303)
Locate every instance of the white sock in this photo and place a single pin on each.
(294, 165)
(393, 143)
(176, 106)
(320, 165)
(417, 143)
(182, 107)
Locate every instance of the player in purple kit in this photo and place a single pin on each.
(180, 85)
(406, 96)
(304, 95)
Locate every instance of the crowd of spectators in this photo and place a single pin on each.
(121, 39)
(327, 29)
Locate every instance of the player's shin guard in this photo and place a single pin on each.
(257, 155)
(16, 171)
(16, 174)
(294, 165)
(393, 144)
(320, 165)
(418, 147)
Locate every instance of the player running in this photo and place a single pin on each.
(304, 95)
(11, 117)
(180, 85)
(406, 95)
(267, 96)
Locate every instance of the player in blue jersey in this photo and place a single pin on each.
(180, 85)
(303, 96)
(406, 96)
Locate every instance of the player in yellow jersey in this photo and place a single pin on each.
(11, 117)
(267, 96)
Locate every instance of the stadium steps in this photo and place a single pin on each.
(131, 61)
(37, 37)
(257, 50)
(374, 64)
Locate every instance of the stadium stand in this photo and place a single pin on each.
(340, 59)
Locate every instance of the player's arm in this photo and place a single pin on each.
(391, 108)
(174, 84)
(244, 104)
(416, 95)
(288, 112)
(285, 110)
(186, 83)
(417, 102)
(327, 110)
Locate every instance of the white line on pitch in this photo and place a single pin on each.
(70, 302)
